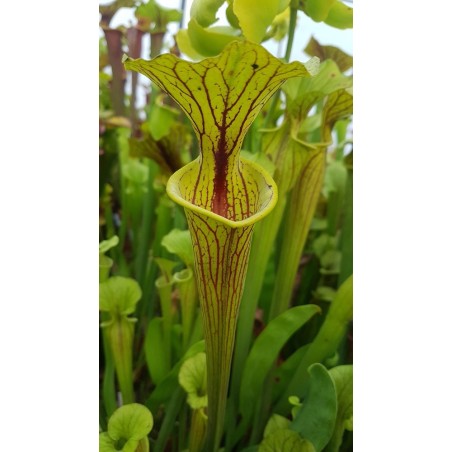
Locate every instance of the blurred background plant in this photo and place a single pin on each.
(292, 365)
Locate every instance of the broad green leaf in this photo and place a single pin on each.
(343, 380)
(130, 422)
(285, 440)
(325, 343)
(119, 295)
(179, 242)
(204, 11)
(276, 422)
(193, 378)
(316, 418)
(154, 350)
(255, 16)
(210, 41)
(232, 18)
(284, 372)
(340, 16)
(107, 245)
(342, 59)
(185, 46)
(265, 351)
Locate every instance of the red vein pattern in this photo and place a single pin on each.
(223, 195)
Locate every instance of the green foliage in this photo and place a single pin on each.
(265, 351)
(172, 268)
(316, 418)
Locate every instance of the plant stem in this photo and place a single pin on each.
(164, 289)
(164, 213)
(146, 226)
(169, 420)
(292, 27)
(108, 381)
(290, 38)
(188, 301)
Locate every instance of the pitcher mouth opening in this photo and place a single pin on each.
(268, 195)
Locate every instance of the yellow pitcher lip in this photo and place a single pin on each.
(172, 189)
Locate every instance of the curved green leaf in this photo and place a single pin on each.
(255, 16)
(210, 41)
(343, 380)
(204, 11)
(318, 10)
(325, 343)
(265, 351)
(340, 16)
(185, 45)
(284, 372)
(316, 418)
